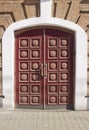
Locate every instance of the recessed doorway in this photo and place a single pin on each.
(44, 69)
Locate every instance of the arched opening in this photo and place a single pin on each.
(79, 71)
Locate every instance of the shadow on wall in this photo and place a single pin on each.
(1, 102)
(87, 103)
(84, 2)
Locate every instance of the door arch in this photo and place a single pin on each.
(80, 63)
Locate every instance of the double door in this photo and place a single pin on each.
(44, 69)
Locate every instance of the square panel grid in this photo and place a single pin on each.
(29, 70)
(35, 71)
(58, 81)
(29, 94)
(58, 60)
(58, 94)
(30, 100)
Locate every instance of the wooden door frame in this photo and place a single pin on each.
(8, 49)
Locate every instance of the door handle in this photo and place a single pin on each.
(42, 71)
(45, 70)
(39, 72)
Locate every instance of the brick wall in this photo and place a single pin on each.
(76, 11)
(15, 10)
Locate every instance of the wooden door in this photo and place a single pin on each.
(44, 69)
(59, 61)
(29, 59)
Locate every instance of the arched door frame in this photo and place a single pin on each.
(8, 54)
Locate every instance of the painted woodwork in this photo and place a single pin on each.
(44, 71)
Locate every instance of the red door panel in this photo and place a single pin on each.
(44, 69)
(59, 60)
(29, 59)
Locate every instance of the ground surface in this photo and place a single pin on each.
(44, 120)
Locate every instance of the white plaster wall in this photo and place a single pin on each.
(81, 71)
(46, 8)
(8, 47)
